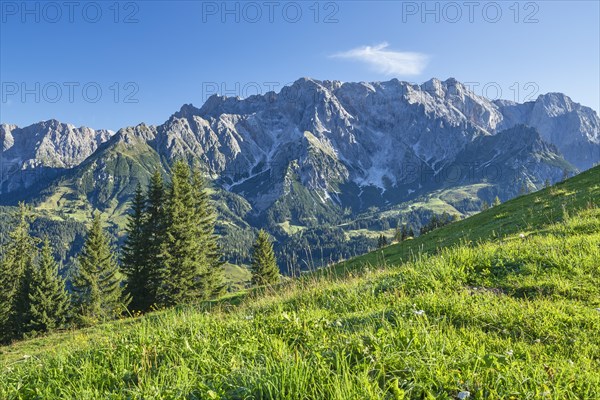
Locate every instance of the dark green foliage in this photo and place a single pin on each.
(49, 300)
(401, 233)
(485, 205)
(437, 221)
(154, 234)
(16, 277)
(134, 256)
(382, 241)
(97, 280)
(264, 264)
(191, 263)
(211, 280)
(522, 189)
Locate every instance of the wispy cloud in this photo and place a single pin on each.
(386, 61)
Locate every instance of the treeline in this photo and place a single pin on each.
(437, 221)
(170, 256)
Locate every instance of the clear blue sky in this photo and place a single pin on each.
(171, 53)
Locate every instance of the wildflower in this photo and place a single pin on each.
(509, 353)
(598, 309)
(249, 317)
(419, 312)
(464, 395)
(522, 236)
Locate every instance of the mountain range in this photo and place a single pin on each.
(317, 154)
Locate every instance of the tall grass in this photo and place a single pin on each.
(517, 318)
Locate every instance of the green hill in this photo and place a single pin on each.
(525, 214)
(504, 304)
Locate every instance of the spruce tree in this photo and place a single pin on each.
(382, 241)
(485, 205)
(264, 265)
(522, 189)
(16, 278)
(398, 232)
(497, 201)
(211, 279)
(182, 249)
(154, 235)
(192, 266)
(97, 280)
(134, 256)
(49, 300)
(403, 233)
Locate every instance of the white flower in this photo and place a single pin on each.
(419, 312)
(464, 395)
(598, 309)
(510, 353)
(522, 236)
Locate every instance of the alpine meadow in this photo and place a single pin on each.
(364, 231)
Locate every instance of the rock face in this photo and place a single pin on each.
(29, 153)
(335, 145)
(571, 127)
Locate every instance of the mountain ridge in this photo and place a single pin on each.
(322, 152)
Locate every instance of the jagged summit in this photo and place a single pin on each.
(327, 135)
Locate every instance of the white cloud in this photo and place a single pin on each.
(387, 61)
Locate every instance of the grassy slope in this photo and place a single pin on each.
(522, 214)
(512, 317)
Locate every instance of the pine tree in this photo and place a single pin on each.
(16, 278)
(398, 233)
(497, 201)
(182, 251)
(382, 241)
(97, 279)
(403, 233)
(264, 265)
(154, 234)
(211, 279)
(134, 257)
(485, 205)
(49, 300)
(522, 189)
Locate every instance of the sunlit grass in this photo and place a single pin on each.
(514, 318)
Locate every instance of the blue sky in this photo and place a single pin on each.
(109, 65)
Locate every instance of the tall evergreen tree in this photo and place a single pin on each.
(154, 234)
(211, 279)
(404, 233)
(183, 252)
(49, 300)
(497, 201)
(522, 189)
(16, 277)
(264, 264)
(382, 241)
(134, 255)
(192, 266)
(97, 279)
